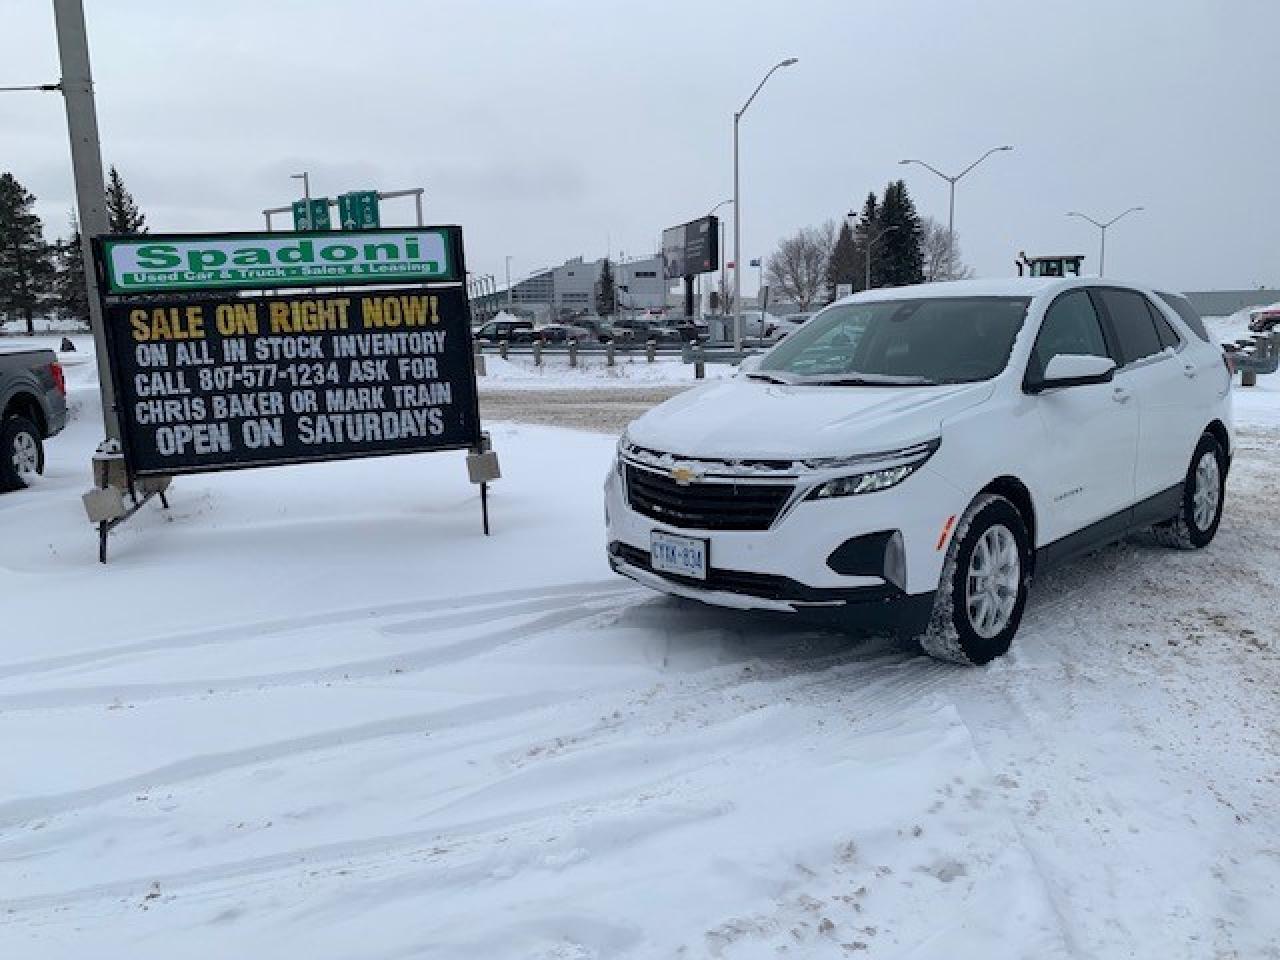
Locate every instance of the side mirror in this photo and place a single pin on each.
(750, 363)
(1074, 370)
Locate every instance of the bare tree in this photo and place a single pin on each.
(942, 259)
(798, 268)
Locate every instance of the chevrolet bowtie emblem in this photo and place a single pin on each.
(683, 475)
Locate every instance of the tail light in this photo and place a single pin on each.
(59, 378)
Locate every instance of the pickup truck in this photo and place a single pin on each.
(33, 407)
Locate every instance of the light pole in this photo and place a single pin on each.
(306, 186)
(951, 202)
(720, 249)
(737, 209)
(1102, 227)
(871, 241)
(508, 281)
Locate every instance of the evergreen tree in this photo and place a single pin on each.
(606, 291)
(900, 254)
(26, 263)
(868, 226)
(844, 265)
(123, 215)
(70, 293)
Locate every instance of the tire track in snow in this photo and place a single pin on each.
(265, 628)
(402, 662)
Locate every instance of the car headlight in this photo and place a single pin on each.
(887, 470)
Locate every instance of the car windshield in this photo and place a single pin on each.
(897, 342)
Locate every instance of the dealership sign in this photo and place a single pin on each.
(218, 382)
(253, 261)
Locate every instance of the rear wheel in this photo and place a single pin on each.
(984, 584)
(21, 453)
(1202, 497)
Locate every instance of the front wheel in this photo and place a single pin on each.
(21, 453)
(983, 588)
(1203, 492)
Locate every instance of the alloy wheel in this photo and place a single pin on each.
(992, 582)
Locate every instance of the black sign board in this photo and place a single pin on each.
(219, 382)
(691, 248)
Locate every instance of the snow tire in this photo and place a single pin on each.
(1185, 531)
(951, 634)
(21, 452)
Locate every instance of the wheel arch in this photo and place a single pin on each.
(24, 404)
(1016, 492)
(1218, 430)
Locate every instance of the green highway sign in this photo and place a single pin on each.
(311, 214)
(253, 261)
(358, 210)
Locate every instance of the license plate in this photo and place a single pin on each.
(686, 556)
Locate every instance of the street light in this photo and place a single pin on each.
(951, 203)
(1102, 253)
(872, 240)
(720, 248)
(508, 281)
(306, 185)
(737, 208)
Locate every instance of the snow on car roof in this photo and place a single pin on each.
(984, 287)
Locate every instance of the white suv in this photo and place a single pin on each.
(913, 454)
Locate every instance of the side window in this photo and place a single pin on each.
(1070, 326)
(1132, 321)
(1164, 329)
(1183, 308)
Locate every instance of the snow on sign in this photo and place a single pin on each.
(256, 261)
(221, 382)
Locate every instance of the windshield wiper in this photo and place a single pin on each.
(871, 380)
(767, 378)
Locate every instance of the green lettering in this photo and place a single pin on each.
(158, 256)
(339, 251)
(391, 250)
(204, 259)
(251, 256)
(304, 252)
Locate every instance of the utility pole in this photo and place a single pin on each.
(86, 165)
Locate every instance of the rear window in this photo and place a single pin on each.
(1135, 328)
(1183, 308)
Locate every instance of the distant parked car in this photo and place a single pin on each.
(512, 331)
(779, 327)
(563, 333)
(33, 407)
(1265, 319)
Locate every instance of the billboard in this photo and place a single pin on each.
(220, 382)
(175, 263)
(692, 247)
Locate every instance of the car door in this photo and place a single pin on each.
(1085, 465)
(1156, 376)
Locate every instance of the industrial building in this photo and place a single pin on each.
(571, 287)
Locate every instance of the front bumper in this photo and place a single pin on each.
(872, 608)
(787, 567)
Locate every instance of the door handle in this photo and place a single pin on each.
(1189, 370)
(1120, 395)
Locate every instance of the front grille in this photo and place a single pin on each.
(705, 506)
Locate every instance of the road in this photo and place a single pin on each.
(603, 409)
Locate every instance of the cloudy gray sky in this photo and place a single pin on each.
(551, 128)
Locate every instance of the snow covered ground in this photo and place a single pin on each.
(519, 371)
(312, 712)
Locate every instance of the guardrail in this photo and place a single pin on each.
(697, 354)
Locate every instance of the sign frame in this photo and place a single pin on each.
(114, 343)
(103, 247)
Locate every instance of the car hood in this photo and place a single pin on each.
(745, 419)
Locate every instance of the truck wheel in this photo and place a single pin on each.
(21, 453)
(983, 587)
(1202, 496)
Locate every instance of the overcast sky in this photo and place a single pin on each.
(553, 128)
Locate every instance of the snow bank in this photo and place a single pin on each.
(593, 372)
